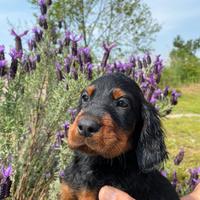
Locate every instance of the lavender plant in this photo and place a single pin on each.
(39, 88)
(182, 185)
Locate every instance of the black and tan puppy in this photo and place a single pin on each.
(118, 141)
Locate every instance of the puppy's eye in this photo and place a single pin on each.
(122, 102)
(85, 97)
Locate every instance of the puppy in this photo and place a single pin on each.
(117, 140)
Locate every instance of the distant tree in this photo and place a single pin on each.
(184, 62)
(127, 23)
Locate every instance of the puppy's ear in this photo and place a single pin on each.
(151, 149)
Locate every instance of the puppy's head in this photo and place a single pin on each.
(113, 118)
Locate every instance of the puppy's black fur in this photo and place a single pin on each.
(130, 167)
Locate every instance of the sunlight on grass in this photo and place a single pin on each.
(184, 132)
(190, 99)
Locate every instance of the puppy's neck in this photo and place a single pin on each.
(123, 162)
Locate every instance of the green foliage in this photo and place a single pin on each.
(184, 66)
(32, 108)
(127, 23)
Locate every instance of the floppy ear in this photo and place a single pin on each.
(151, 149)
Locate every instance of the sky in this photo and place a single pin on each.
(175, 16)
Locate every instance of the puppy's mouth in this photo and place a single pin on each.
(109, 141)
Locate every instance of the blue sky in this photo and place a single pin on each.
(176, 17)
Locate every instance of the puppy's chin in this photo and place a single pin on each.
(107, 146)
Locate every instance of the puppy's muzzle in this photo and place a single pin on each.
(88, 127)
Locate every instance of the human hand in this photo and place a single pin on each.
(111, 193)
(195, 195)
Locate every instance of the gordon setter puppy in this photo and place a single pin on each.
(118, 141)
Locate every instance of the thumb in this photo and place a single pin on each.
(111, 193)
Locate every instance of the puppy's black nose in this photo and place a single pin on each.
(87, 127)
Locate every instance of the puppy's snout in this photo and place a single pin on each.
(88, 127)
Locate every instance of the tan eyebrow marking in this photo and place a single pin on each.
(117, 93)
(90, 90)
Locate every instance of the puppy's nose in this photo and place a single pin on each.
(88, 127)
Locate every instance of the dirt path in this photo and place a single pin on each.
(183, 115)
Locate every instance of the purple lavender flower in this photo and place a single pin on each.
(59, 138)
(60, 46)
(148, 59)
(132, 60)
(158, 65)
(32, 61)
(86, 55)
(2, 55)
(144, 62)
(163, 173)
(67, 38)
(153, 100)
(139, 76)
(38, 58)
(107, 49)
(31, 44)
(178, 159)
(3, 67)
(89, 71)
(166, 91)
(75, 39)
(66, 127)
(26, 63)
(74, 73)
(80, 62)
(174, 179)
(18, 35)
(157, 93)
(61, 174)
(15, 54)
(110, 68)
(5, 188)
(13, 69)
(38, 33)
(2, 48)
(6, 172)
(67, 63)
(139, 63)
(151, 80)
(194, 178)
(48, 2)
(43, 7)
(3, 63)
(18, 41)
(72, 113)
(59, 74)
(43, 21)
(155, 96)
(174, 97)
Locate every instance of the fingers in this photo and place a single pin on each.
(196, 192)
(195, 195)
(111, 193)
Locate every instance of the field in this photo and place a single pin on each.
(183, 129)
